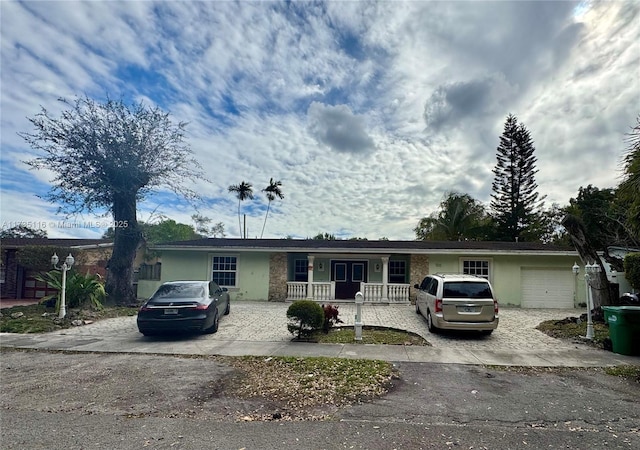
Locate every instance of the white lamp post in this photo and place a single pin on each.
(590, 270)
(68, 262)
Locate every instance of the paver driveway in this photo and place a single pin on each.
(266, 322)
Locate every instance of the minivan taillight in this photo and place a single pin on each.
(438, 305)
(495, 307)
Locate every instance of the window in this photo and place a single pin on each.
(479, 268)
(149, 271)
(301, 271)
(225, 270)
(463, 289)
(357, 272)
(432, 289)
(397, 271)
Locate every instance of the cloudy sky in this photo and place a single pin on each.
(367, 112)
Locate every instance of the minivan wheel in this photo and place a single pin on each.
(417, 308)
(432, 328)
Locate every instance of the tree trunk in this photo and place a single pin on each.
(599, 283)
(119, 284)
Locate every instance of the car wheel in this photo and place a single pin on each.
(417, 308)
(432, 328)
(487, 332)
(214, 327)
(228, 309)
(148, 333)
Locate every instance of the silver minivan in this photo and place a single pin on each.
(457, 302)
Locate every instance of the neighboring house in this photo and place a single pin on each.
(523, 274)
(619, 277)
(19, 282)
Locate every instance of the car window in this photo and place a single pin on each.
(425, 283)
(179, 291)
(213, 288)
(467, 289)
(433, 287)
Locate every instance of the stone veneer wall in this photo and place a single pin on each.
(419, 269)
(278, 277)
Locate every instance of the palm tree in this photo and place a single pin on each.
(460, 218)
(272, 191)
(243, 191)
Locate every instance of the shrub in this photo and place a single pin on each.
(330, 317)
(305, 317)
(632, 269)
(81, 290)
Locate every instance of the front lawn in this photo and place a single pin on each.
(40, 319)
(576, 330)
(370, 335)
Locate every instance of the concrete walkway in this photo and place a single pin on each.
(259, 328)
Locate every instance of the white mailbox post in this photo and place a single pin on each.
(358, 324)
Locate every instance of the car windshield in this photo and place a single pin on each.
(467, 289)
(179, 291)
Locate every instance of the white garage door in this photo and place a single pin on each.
(547, 288)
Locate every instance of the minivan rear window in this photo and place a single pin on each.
(466, 289)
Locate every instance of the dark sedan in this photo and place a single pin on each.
(194, 306)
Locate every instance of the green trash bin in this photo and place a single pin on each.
(624, 328)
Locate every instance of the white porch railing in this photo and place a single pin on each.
(321, 291)
(296, 290)
(325, 291)
(396, 292)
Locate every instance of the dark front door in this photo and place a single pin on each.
(348, 275)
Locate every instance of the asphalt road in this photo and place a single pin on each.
(125, 401)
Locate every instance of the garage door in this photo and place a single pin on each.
(547, 288)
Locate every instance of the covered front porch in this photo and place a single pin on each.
(337, 278)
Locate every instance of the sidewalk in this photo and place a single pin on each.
(259, 328)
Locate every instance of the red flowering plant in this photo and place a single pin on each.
(330, 317)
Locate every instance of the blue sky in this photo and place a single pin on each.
(367, 112)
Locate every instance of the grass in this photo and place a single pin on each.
(40, 319)
(629, 372)
(300, 384)
(370, 335)
(632, 373)
(574, 331)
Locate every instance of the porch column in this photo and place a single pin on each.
(385, 278)
(310, 277)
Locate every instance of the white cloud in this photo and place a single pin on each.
(339, 129)
(367, 112)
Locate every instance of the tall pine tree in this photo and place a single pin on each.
(514, 202)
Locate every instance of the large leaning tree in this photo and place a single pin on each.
(107, 156)
(515, 202)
